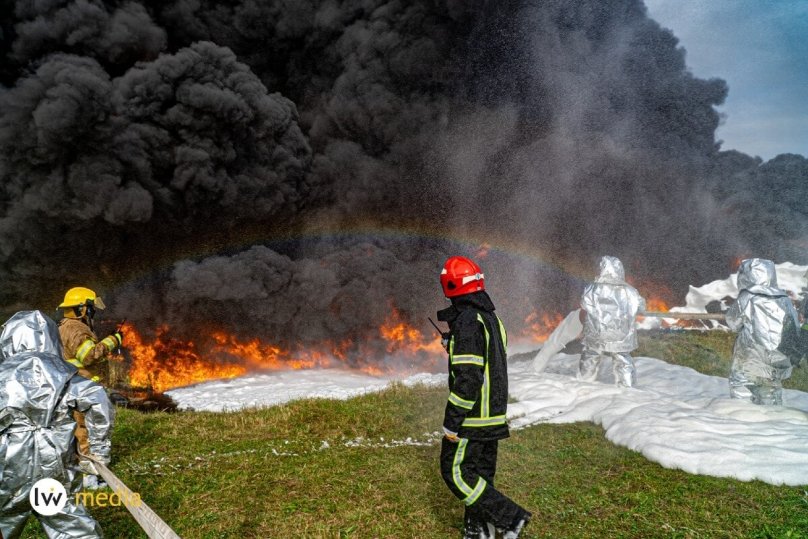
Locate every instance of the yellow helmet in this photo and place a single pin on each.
(78, 300)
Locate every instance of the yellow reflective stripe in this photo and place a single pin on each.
(457, 477)
(451, 352)
(468, 359)
(460, 403)
(478, 490)
(96, 378)
(485, 407)
(84, 349)
(484, 421)
(110, 342)
(76, 363)
(503, 333)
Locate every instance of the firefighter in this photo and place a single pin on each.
(83, 350)
(39, 392)
(609, 308)
(767, 326)
(474, 420)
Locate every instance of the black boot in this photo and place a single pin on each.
(474, 528)
(518, 524)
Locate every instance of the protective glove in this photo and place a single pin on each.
(451, 436)
(444, 341)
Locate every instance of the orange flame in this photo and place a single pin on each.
(402, 337)
(167, 362)
(539, 326)
(654, 304)
(658, 297)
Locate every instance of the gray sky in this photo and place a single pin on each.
(760, 47)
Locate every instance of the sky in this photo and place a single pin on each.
(759, 48)
(674, 415)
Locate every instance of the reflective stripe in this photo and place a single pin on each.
(485, 405)
(451, 353)
(478, 490)
(472, 494)
(468, 359)
(484, 421)
(84, 349)
(503, 333)
(96, 378)
(110, 342)
(460, 403)
(75, 362)
(460, 454)
(471, 278)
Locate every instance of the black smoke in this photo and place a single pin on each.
(161, 144)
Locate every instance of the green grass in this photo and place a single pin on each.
(319, 468)
(708, 352)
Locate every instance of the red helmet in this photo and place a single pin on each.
(460, 276)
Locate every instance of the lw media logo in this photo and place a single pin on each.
(48, 496)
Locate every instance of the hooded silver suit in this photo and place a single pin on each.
(38, 393)
(764, 318)
(611, 307)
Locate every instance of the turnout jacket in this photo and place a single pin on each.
(478, 370)
(83, 350)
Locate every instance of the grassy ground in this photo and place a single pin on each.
(353, 469)
(708, 352)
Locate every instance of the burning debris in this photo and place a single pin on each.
(538, 327)
(166, 362)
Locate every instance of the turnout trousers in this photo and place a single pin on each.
(468, 468)
(625, 374)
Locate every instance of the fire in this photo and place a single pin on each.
(167, 362)
(539, 326)
(736, 262)
(654, 304)
(658, 297)
(402, 337)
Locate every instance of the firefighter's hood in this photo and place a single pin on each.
(30, 331)
(611, 270)
(757, 275)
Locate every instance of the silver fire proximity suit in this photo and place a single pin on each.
(764, 318)
(38, 393)
(611, 306)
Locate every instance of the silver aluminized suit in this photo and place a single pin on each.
(763, 316)
(611, 306)
(38, 393)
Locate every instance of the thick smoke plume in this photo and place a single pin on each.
(163, 144)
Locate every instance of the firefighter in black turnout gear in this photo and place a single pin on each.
(474, 420)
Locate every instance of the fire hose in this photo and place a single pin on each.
(154, 526)
(570, 329)
(686, 316)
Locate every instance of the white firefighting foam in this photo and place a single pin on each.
(674, 416)
(790, 278)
